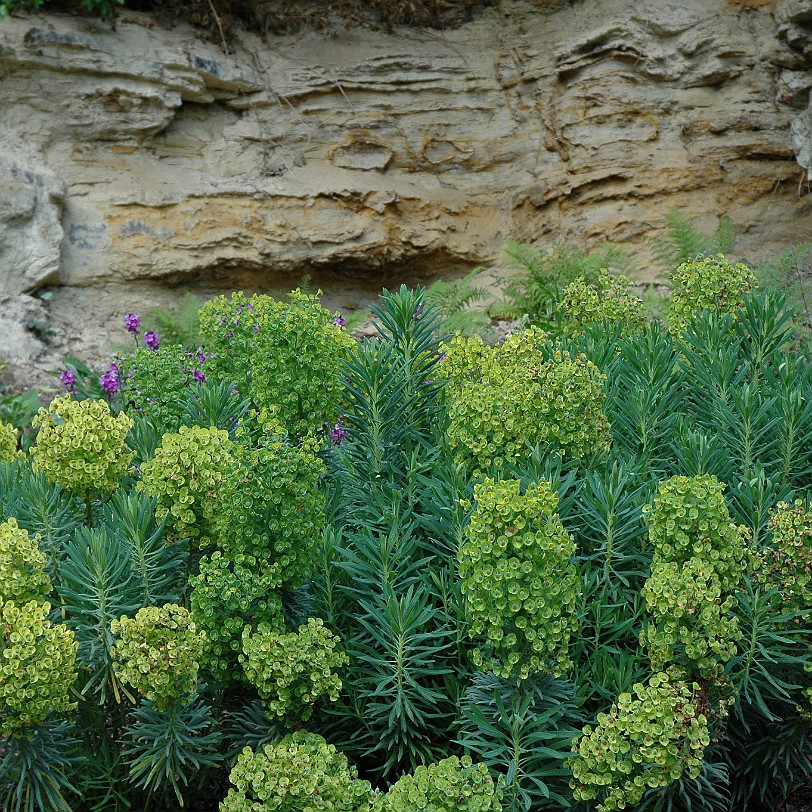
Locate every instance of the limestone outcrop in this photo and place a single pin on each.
(138, 158)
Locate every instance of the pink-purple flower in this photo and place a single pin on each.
(68, 378)
(338, 433)
(339, 320)
(151, 339)
(110, 382)
(132, 322)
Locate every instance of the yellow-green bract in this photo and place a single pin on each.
(647, 740)
(299, 773)
(81, 445)
(519, 584)
(502, 398)
(22, 566)
(609, 300)
(293, 671)
(707, 283)
(186, 475)
(37, 666)
(451, 785)
(157, 653)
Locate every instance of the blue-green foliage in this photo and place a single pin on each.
(350, 503)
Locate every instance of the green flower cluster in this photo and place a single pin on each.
(186, 475)
(501, 398)
(292, 671)
(154, 382)
(290, 354)
(299, 773)
(157, 653)
(689, 519)
(518, 580)
(37, 666)
(9, 436)
(22, 566)
(450, 785)
(707, 283)
(608, 300)
(645, 741)
(271, 507)
(693, 626)
(786, 563)
(697, 565)
(81, 445)
(226, 596)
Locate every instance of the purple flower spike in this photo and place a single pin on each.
(132, 322)
(68, 378)
(109, 380)
(151, 339)
(338, 433)
(339, 320)
(198, 376)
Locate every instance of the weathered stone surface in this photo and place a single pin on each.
(30, 226)
(354, 152)
(802, 138)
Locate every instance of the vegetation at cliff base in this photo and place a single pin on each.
(288, 570)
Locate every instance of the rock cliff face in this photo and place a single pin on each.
(139, 158)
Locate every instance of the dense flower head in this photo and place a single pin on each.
(22, 566)
(290, 353)
(37, 666)
(110, 380)
(451, 785)
(707, 283)
(339, 320)
(646, 740)
(9, 439)
(68, 379)
(81, 446)
(292, 671)
(151, 339)
(502, 398)
(157, 653)
(299, 773)
(132, 322)
(518, 580)
(186, 474)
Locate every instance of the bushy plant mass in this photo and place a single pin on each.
(419, 572)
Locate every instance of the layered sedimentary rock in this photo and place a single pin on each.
(140, 157)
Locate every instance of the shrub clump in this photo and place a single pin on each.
(451, 785)
(290, 353)
(293, 671)
(707, 283)
(299, 773)
(186, 475)
(81, 446)
(645, 741)
(609, 300)
(226, 596)
(37, 666)
(502, 398)
(271, 507)
(157, 653)
(518, 581)
(22, 566)
(154, 382)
